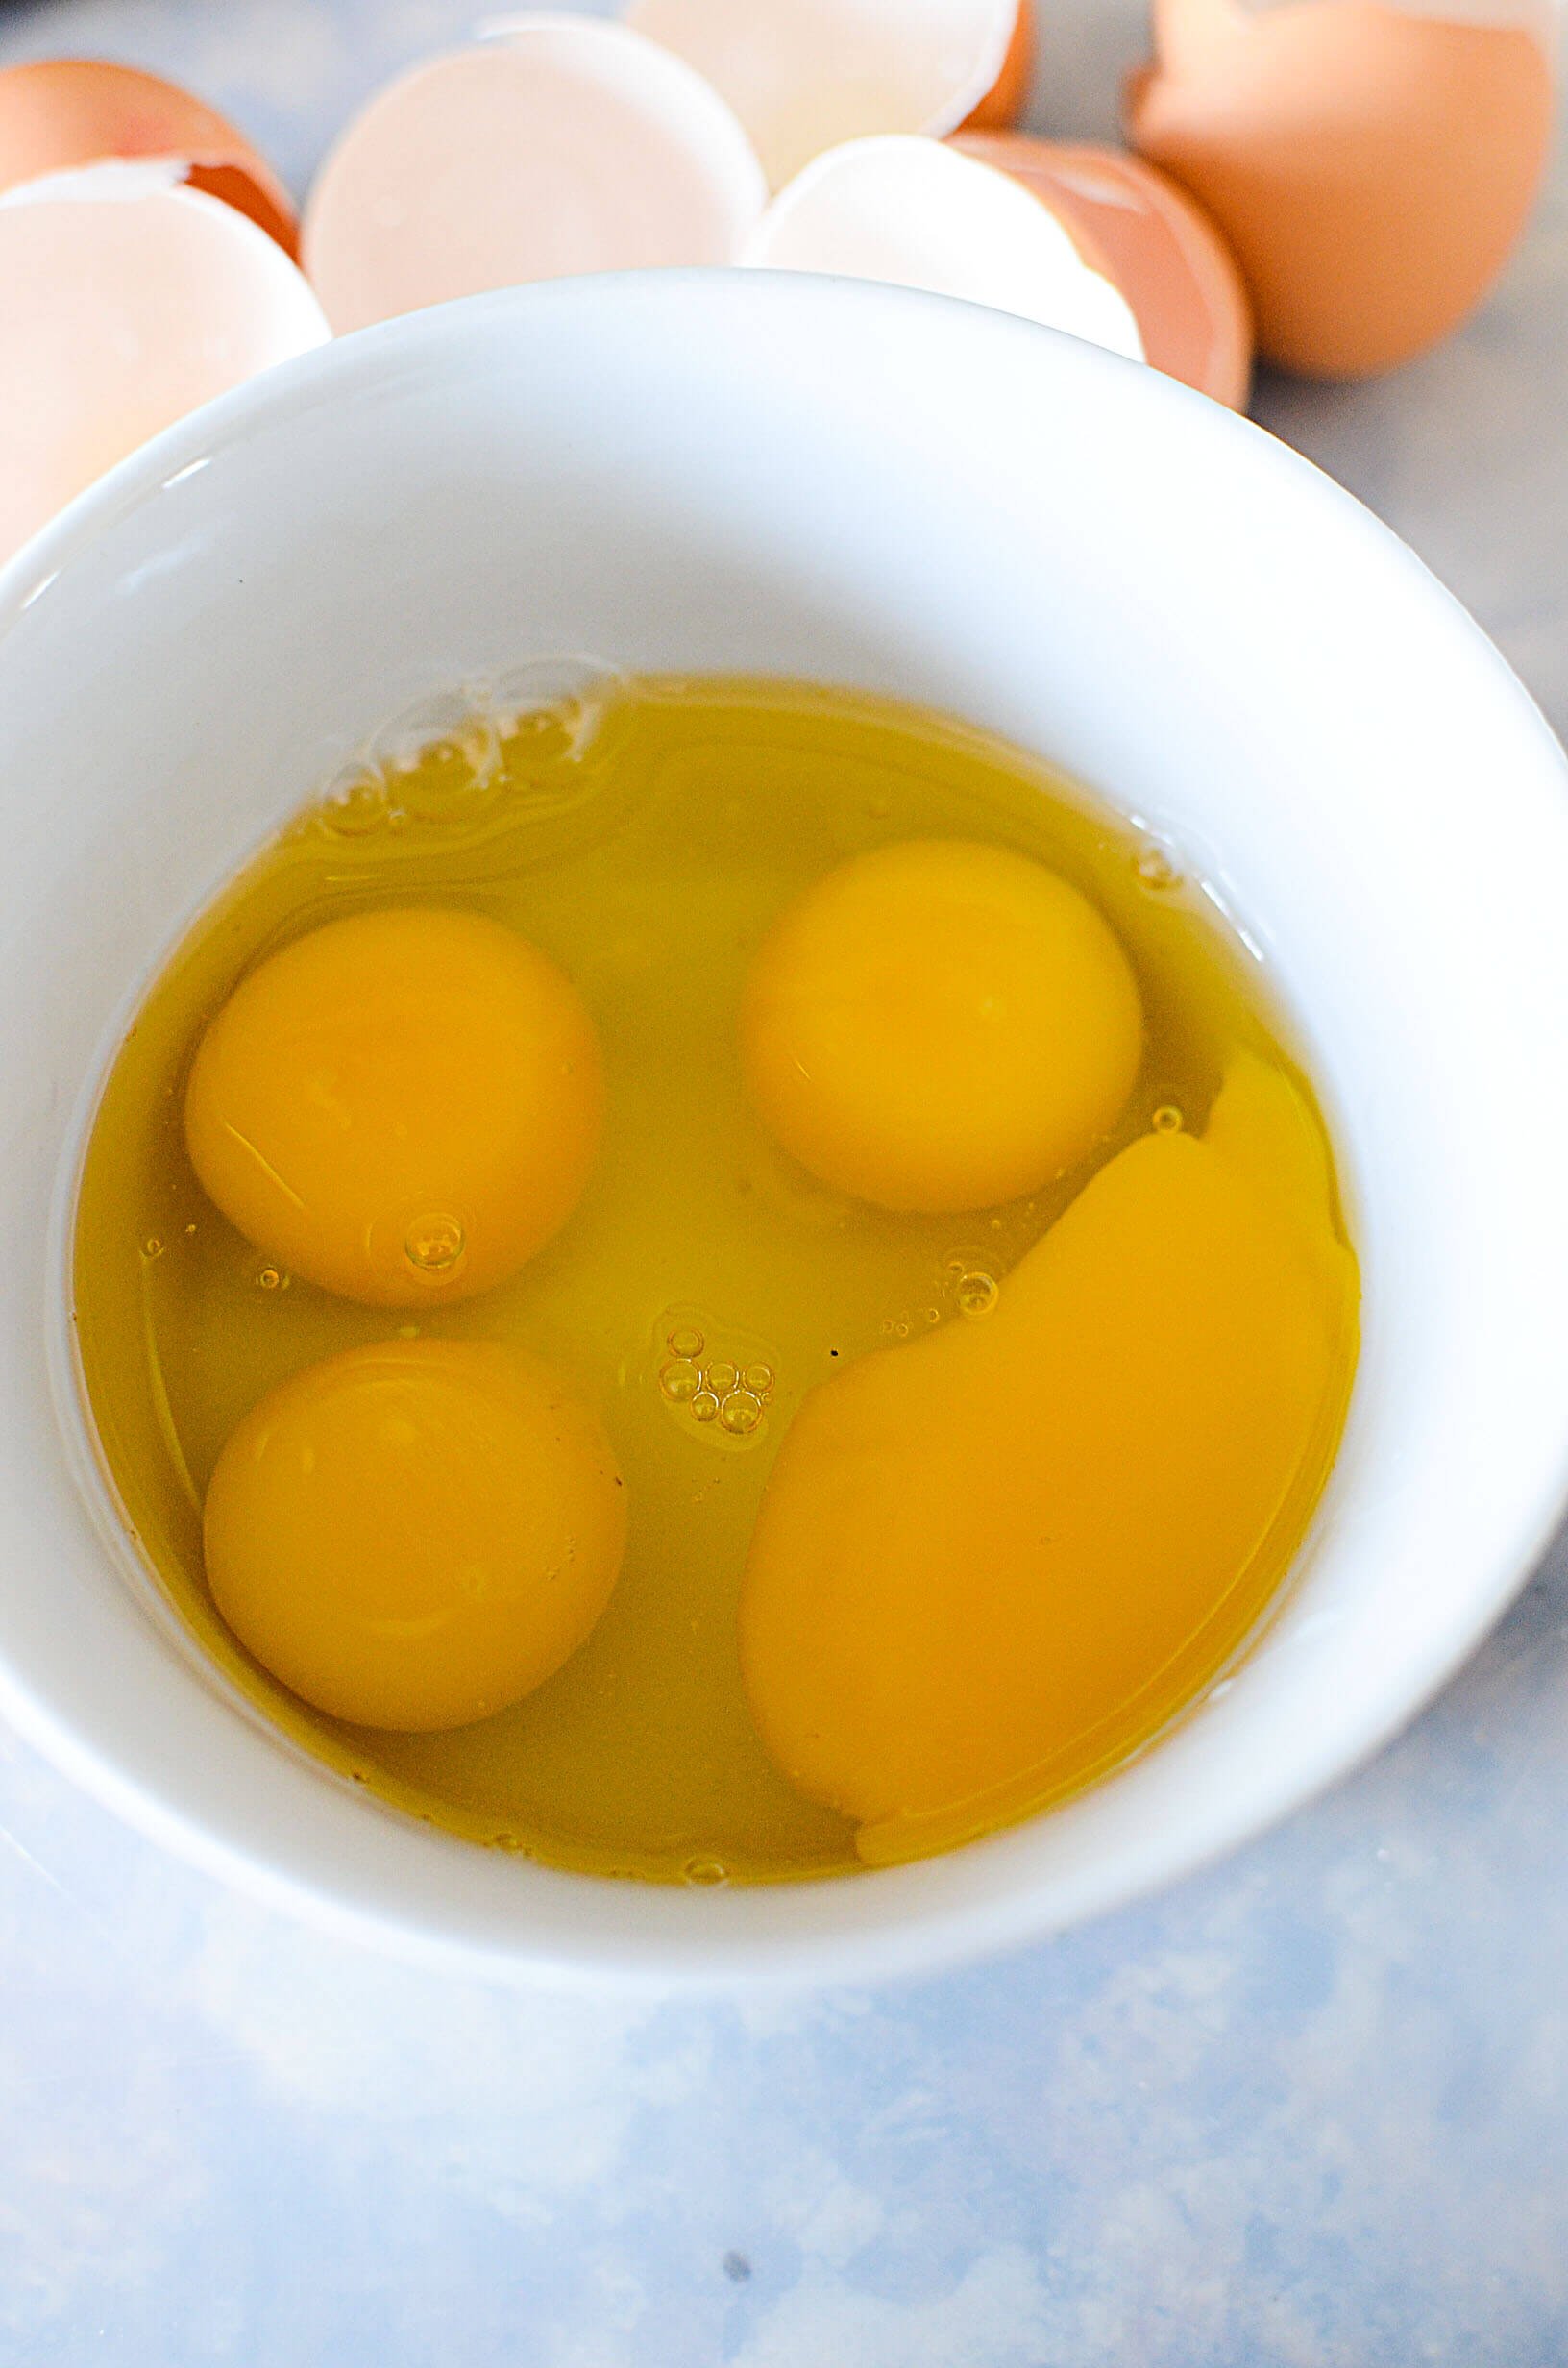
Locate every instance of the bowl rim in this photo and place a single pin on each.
(909, 1939)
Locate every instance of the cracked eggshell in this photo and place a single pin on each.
(129, 300)
(556, 145)
(917, 214)
(1371, 166)
(808, 75)
(58, 113)
(1155, 242)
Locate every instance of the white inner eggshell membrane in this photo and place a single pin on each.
(559, 145)
(127, 301)
(913, 212)
(804, 75)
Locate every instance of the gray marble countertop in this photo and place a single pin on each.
(1309, 2111)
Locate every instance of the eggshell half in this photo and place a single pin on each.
(128, 300)
(919, 215)
(1154, 241)
(1372, 168)
(561, 145)
(62, 112)
(806, 75)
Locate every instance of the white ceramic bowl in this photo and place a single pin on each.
(863, 486)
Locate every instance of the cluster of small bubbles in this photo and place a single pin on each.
(1156, 870)
(435, 1245)
(706, 1873)
(976, 1294)
(451, 759)
(1168, 1120)
(271, 1278)
(716, 1391)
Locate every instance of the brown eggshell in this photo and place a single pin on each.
(1155, 242)
(1372, 169)
(1009, 95)
(62, 112)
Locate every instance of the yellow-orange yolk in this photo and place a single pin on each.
(415, 1535)
(402, 1107)
(976, 1554)
(941, 1026)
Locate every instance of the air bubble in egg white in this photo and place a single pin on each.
(976, 1295)
(435, 1245)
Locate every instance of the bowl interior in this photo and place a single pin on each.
(713, 471)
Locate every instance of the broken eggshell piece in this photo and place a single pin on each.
(917, 214)
(129, 300)
(59, 113)
(1155, 242)
(807, 75)
(556, 145)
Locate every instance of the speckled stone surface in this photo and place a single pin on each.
(1309, 2111)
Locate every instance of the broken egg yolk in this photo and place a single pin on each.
(401, 1106)
(415, 1535)
(941, 1026)
(980, 1557)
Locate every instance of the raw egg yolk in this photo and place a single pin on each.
(941, 1026)
(977, 1553)
(415, 1535)
(401, 1106)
